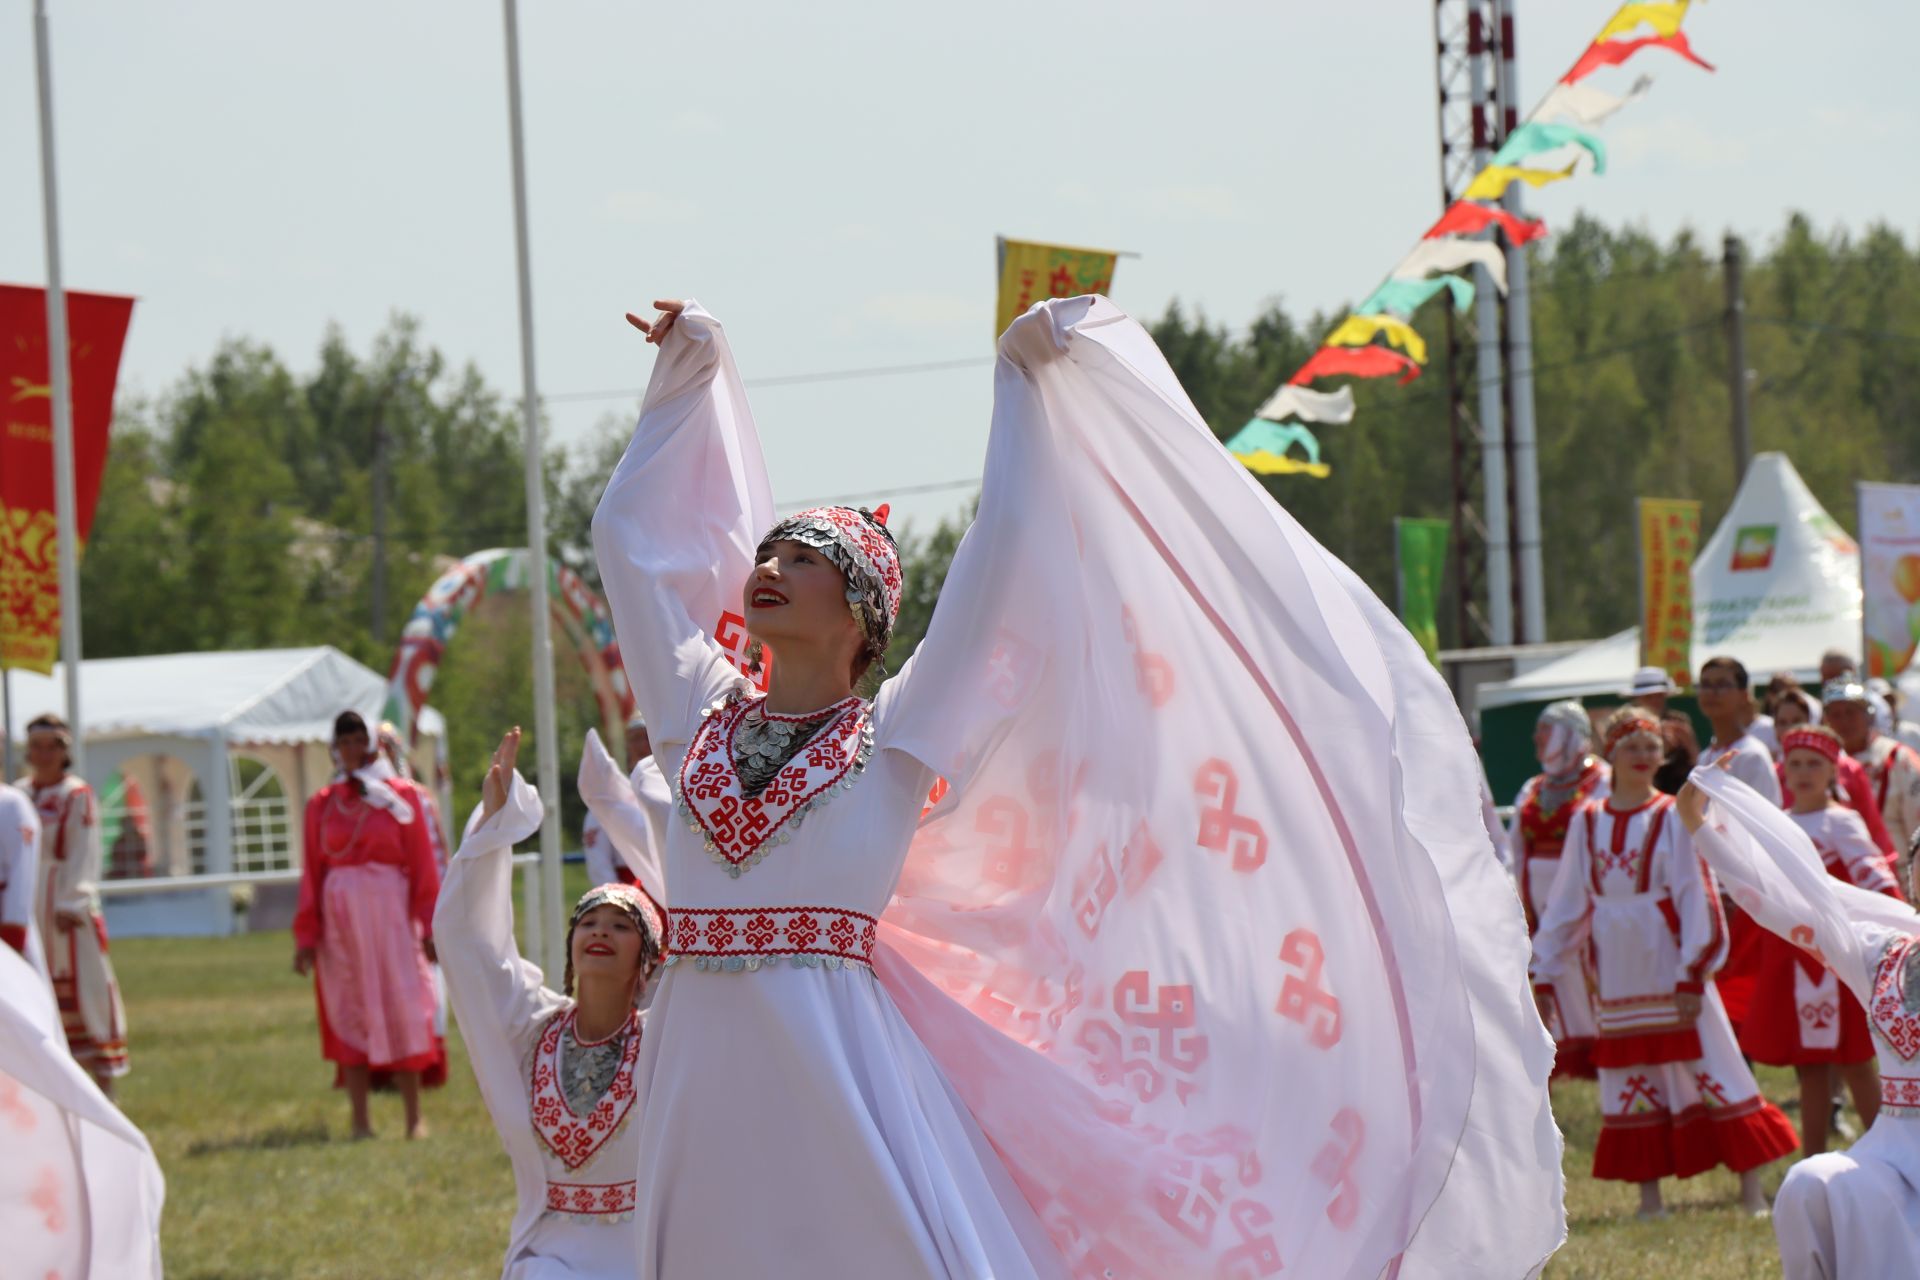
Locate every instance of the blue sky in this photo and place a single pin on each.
(829, 179)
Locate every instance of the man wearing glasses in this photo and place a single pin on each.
(1725, 702)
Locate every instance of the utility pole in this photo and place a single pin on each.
(380, 514)
(1523, 448)
(1736, 318)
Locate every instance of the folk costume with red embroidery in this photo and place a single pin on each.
(1543, 811)
(566, 1106)
(72, 929)
(367, 888)
(1171, 982)
(1857, 1212)
(1676, 1098)
(1801, 1014)
(1892, 767)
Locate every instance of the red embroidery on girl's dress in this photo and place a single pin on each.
(764, 932)
(1545, 831)
(1619, 855)
(1898, 1024)
(592, 1199)
(736, 825)
(575, 1139)
(1900, 1094)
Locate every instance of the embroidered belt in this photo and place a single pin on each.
(1900, 1096)
(592, 1201)
(733, 939)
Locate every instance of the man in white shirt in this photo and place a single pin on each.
(1903, 729)
(1726, 703)
(1893, 768)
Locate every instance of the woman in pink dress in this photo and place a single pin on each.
(363, 929)
(1203, 965)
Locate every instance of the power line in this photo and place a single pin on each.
(797, 379)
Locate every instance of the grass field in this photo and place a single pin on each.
(262, 1181)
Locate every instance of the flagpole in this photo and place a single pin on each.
(65, 519)
(545, 902)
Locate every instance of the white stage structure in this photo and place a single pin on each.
(224, 749)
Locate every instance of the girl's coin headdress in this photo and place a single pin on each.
(860, 545)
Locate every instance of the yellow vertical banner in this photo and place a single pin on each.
(1030, 272)
(1669, 539)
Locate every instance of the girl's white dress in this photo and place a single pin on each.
(1854, 1212)
(1203, 965)
(574, 1174)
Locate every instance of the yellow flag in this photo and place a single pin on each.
(1030, 272)
(1496, 178)
(1669, 540)
(1358, 331)
(1663, 18)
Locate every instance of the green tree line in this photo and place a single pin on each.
(237, 507)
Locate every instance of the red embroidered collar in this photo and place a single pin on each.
(574, 1138)
(739, 829)
(1897, 1024)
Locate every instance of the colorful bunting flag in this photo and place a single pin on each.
(1611, 53)
(1438, 257)
(1493, 181)
(1663, 18)
(1262, 448)
(1464, 217)
(1358, 331)
(1404, 297)
(1304, 402)
(1533, 137)
(1585, 105)
(1358, 362)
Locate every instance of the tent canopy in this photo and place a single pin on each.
(1776, 586)
(260, 696)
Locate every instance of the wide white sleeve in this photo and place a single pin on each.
(1696, 900)
(677, 525)
(75, 877)
(1563, 928)
(625, 827)
(1770, 869)
(20, 855)
(1866, 867)
(498, 997)
(1194, 764)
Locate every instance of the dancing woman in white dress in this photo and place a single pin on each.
(556, 1068)
(1202, 965)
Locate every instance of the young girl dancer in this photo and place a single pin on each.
(1676, 1099)
(1800, 1015)
(1857, 1212)
(1202, 962)
(556, 1068)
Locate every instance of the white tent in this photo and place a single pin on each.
(248, 730)
(1776, 586)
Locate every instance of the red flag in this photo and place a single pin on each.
(1360, 362)
(1611, 53)
(29, 566)
(1464, 217)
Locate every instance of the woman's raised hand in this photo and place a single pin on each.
(662, 324)
(493, 793)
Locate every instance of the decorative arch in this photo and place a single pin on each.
(573, 604)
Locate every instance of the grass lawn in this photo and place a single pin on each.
(262, 1181)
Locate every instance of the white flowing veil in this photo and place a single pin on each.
(1250, 982)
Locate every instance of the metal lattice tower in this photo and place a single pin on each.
(1467, 49)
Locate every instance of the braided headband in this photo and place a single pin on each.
(63, 736)
(1626, 728)
(1807, 740)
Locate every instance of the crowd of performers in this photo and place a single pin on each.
(1665, 984)
(1145, 923)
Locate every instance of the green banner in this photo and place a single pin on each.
(1420, 563)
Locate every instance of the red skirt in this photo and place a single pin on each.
(1741, 973)
(1800, 1014)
